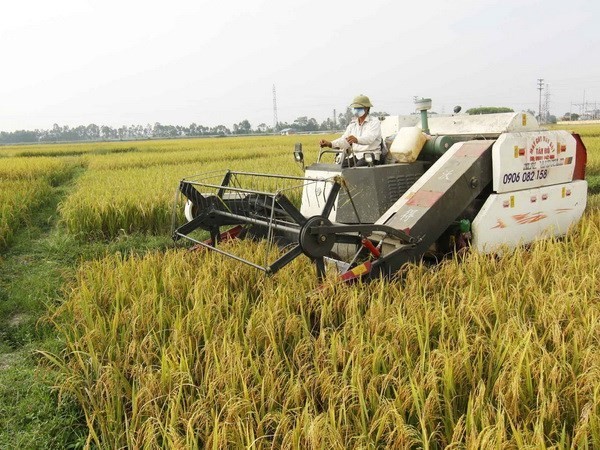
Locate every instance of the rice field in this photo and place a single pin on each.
(179, 349)
(184, 350)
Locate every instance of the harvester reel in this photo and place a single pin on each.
(259, 214)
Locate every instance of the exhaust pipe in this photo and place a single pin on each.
(423, 104)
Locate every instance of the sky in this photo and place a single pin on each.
(126, 62)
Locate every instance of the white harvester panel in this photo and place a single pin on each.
(532, 159)
(514, 218)
(314, 194)
(484, 125)
(391, 124)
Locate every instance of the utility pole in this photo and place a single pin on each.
(547, 104)
(540, 87)
(571, 111)
(334, 119)
(275, 121)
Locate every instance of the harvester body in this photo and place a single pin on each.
(488, 182)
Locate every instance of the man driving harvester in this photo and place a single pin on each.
(363, 135)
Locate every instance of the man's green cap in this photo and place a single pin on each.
(361, 101)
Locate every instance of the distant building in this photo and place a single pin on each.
(287, 131)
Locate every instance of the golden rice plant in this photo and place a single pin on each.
(590, 134)
(17, 199)
(147, 159)
(54, 170)
(183, 349)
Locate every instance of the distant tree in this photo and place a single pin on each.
(344, 119)
(312, 125)
(283, 126)
(93, 131)
(220, 130)
(243, 127)
(122, 132)
(327, 125)
(105, 132)
(300, 123)
(378, 113)
(19, 136)
(570, 116)
(488, 110)
(262, 128)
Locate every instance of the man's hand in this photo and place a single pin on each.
(352, 139)
(324, 143)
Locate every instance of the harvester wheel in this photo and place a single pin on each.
(190, 210)
(316, 245)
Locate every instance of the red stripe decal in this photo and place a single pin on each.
(473, 149)
(424, 198)
(356, 272)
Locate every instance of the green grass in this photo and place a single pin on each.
(31, 414)
(31, 276)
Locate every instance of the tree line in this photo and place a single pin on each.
(304, 124)
(93, 132)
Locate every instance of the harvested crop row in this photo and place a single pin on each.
(17, 198)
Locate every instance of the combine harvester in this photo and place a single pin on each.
(487, 182)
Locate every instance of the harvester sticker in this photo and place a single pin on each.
(519, 151)
(447, 175)
(542, 148)
(510, 203)
(524, 161)
(563, 210)
(357, 271)
(408, 215)
(523, 219)
(499, 224)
